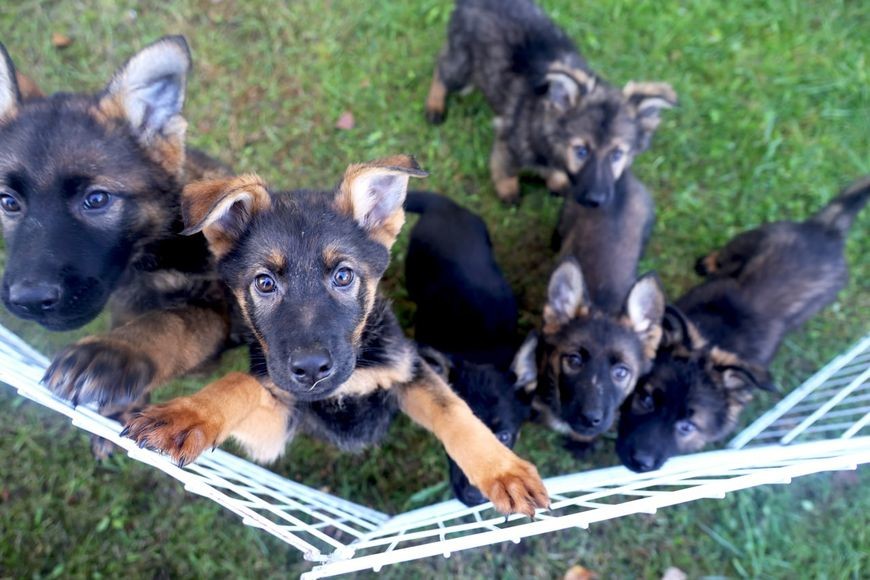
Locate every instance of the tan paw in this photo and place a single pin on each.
(514, 486)
(181, 428)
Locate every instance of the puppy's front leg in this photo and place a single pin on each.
(505, 175)
(512, 484)
(117, 369)
(235, 406)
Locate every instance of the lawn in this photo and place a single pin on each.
(774, 119)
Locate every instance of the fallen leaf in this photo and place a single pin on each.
(674, 573)
(345, 121)
(580, 573)
(60, 40)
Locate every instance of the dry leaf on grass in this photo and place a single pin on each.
(580, 573)
(345, 121)
(60, 40)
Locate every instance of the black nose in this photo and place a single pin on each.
(595, 198)
(593, 418)
(643, 461)
(34, 297)
(310, 366)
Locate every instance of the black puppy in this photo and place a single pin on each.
(467, 311)
(725, 331)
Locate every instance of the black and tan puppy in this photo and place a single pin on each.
(90, 189)
(591, 354)
(553, 114)
(328, 355)
(466, 311)
(724, 333)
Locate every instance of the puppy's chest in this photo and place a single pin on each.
(350, 422)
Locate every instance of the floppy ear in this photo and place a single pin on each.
(645, 308)
(524, 366)
(373, 194)
(647, 100)
(148, 91)
(10, 97)
(222, 208)
(566, 295)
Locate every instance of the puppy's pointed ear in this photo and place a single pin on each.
(148, 92)
(222, 208)
(10, 97)
(647, 100)
(644, 310)
(525, 365)
(373, 194)
(678, 331)
(566, 295)
(564, 88)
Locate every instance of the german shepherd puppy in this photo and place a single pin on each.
(724, 332)
(328, 355)
(553, 114)
(591, 355)
(467, 311)
(90, 187)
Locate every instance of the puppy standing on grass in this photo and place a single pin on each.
(90, 188)
(724, 332)
(328, 356)
(552, 114)
(467, 311)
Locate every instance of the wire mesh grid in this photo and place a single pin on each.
(823, 425)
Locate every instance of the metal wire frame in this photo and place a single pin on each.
(823, 425)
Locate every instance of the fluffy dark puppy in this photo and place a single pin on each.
(723, 333)
(467, 311)
(89, 204)
(328, 355)
(553, 114)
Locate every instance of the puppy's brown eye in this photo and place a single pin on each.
(342, 277)
(685, 427)
(620, 372)
(9, 203)
(265, 284)
(645, 401)
(581, 152)
(573, 360)
(96, 199)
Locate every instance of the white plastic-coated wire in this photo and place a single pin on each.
(826, 422)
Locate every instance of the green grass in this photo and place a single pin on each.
(773, 120)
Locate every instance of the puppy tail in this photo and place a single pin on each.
(839, 214)
(423, 201)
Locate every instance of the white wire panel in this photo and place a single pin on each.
(825, 420)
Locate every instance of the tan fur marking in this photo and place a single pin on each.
(513, 485)
(175, 341)
(711, 262)
(557, 181)
(504, 175)
(366, 380)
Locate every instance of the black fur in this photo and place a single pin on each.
(467, 311)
